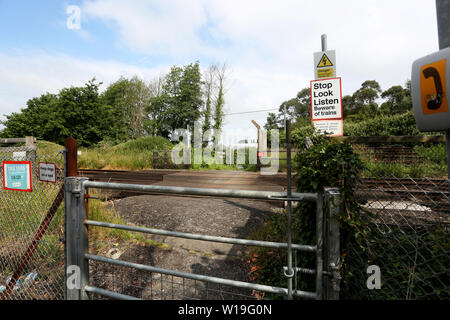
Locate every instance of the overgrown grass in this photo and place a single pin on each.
(431, 162)
(21, 214)
(133, 155)
(45, 148)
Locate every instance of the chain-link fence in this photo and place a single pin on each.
(404, 197)
(149, 285)
(32, 226)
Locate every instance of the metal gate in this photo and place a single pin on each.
(31, 224)
(79, 260)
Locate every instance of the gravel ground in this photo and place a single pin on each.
(236, 218)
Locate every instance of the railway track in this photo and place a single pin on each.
(431, 193)
(228, 179)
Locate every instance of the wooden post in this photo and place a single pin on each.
(155, 159)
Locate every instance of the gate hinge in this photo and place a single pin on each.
(336, 277)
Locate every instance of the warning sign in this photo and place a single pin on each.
(330, 127)
(326, 99)
(325, 73)
(17, 175)
(47, 172)
(324, 62)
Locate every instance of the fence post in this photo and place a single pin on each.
(319, 246)
(30, 143)
(77, 267)
(332, 243)
(155, 159)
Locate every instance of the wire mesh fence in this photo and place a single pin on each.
(405, 206)
(405, 234)
(148, 285)
(32, 229)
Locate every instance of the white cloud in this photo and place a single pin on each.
(152, 27)
(268, 46)
(29, 74)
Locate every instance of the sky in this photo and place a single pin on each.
(267, 46)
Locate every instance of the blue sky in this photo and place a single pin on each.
(267, 45)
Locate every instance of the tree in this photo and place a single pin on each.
(362, 103)
(128, 99)
(272, 122)
(209, 88)
(180, 101)
(74, 111)
(154, 111)
(368, 93)
(398, 99)
(298, 107)
(220, 101)
(33, 120)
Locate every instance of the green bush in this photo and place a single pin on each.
(397, 125)
(325, 163)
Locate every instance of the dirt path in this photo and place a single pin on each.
(236, 218)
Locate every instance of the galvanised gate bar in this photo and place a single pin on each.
(327, 235)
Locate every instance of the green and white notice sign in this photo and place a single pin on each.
(17, 175)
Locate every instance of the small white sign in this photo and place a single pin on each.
(19, 155)
(330, 127)
(326, 99)
(47, 172)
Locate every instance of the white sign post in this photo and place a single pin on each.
(326, 93)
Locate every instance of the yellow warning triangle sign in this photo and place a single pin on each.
(324, 62)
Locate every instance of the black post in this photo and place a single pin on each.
(443, 24)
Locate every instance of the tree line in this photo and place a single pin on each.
(362, 105)
(128, 109)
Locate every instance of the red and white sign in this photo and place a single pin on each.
(47, 172)
(326, 99)
(326, 105)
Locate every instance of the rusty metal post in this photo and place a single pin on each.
(71, 146)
